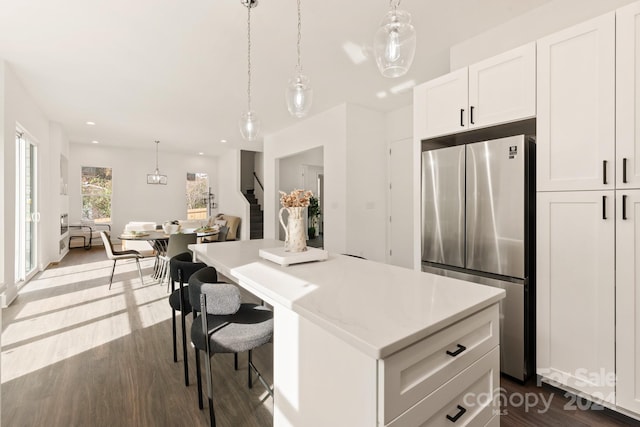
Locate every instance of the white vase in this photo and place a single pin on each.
(295, 236)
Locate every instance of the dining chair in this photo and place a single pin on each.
(118, 255)
(226, 325)
(181, 267)
(222, 233)
(178, 243)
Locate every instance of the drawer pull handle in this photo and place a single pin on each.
(460, 413)
(460, 349)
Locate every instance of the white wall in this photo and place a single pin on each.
(291, 171)
(21, 109)
(326, 130)
(401, 202)
(546, 19)
(133, 199)
(353, 143)
(366, 183)
(231, 200)
(291, 168)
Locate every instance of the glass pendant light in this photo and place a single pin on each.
(298, 93)
(156, 177)
(394, 44)
(249, 122)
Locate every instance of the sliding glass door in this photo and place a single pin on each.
(27, 215)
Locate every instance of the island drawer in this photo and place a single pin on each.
(409, 375)
(469, 399)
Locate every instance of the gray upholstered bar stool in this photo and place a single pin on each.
(199, 278)
(225, 325)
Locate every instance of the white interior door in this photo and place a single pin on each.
(400, 226)
(27, 215)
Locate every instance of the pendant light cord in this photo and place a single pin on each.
(394, 4)
(249, 56)
(157, 170)
(299, 67)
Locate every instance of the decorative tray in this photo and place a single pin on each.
(279, 256)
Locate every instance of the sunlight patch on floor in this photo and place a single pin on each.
(69, 310)
(43, 352)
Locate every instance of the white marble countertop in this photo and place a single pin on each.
(376, 307)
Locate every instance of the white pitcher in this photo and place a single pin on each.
(295, 236)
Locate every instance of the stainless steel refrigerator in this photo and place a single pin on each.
(478, 224)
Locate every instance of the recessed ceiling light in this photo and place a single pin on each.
(403, 87)
(91, 123)
(95, 142)
(224, 141)
(201, 154)
(357, 54)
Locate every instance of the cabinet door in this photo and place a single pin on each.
(576, 107)
(628, 299)
(628, 96)
(503, 88)
(440, 105)
(575, 291)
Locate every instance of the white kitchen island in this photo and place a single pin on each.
(361, 343)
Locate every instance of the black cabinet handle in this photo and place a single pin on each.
(624, 207)
(462, 117)
(460, 413)
(604, 207)
(604, 172)
(471, 113)
(624, 170)
(460, 349)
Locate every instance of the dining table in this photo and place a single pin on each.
(159, 241)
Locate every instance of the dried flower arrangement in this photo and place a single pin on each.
(295, 199)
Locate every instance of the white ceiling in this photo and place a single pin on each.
(176, 70)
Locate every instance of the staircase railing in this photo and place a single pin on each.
(258, 180)
(259, 193)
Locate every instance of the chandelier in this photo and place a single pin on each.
(156, 177)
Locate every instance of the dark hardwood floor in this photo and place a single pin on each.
(76, 354)
(531, 405)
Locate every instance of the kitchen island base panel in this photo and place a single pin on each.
(320, 380)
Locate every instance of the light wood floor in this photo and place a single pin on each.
(76, 354)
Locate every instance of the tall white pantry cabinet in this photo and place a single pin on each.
(588, 182)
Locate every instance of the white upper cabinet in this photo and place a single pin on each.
(503, 88)
(628, 97)
(497, 90)
(576, 107)
(440, 105)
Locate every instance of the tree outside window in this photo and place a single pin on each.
(96, 194)
(197, 195)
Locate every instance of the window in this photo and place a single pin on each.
(197, 195)
(96, 194)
